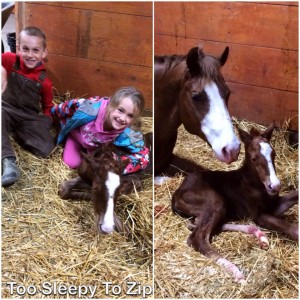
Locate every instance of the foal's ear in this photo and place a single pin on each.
(267, 134)
(224, 56)
(124, 163)
(254, 132)
(86, 157)
(244, 136)
(192, 60)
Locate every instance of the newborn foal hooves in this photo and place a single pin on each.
(120, 226)
(63, 190)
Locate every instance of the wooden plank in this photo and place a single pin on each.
(91, 78)
(257, 66)
(94, 35)
(131, 8)
(254, 23)
(263, 105)
(291, 3)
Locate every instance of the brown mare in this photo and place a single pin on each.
(190, 90)
(211, 198)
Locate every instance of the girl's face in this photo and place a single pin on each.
(122, 116)
(31, 50)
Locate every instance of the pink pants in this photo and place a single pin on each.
(71, 154)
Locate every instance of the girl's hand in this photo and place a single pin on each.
(3, 80)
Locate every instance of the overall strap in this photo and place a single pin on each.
(42, 76)
(16, 65)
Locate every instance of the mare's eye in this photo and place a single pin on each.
(196, 97)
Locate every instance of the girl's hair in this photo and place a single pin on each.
(136, 97)
(35, 31)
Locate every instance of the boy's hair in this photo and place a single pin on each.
(136, 97)
(35, 31)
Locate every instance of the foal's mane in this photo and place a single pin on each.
(208, 66)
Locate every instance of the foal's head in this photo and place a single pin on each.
(203, 103)
(106, 172)
(260, 157)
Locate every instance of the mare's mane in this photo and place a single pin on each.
(208, 66)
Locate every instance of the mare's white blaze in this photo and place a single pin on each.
(217, 125)
(112, 183)
(266, 150)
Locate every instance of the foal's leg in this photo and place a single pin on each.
(249, 229)
(75, 189)
(209, 211)
(199, 240)
(285, 202)
(277, 224)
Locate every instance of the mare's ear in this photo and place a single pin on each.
(224, 56)
(267, 134)
(244, 136)
(192, 60)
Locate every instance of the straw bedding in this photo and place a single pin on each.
(181, 272)
(49, 240)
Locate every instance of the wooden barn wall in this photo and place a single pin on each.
(262, 68)
(95, 47)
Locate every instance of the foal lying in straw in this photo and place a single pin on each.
(211, 198)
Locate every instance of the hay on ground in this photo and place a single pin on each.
(181, 272)
(47, 239)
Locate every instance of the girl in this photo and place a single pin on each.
(88, 122)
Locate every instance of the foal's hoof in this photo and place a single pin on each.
(121, 227)
(63, 191)
(264, 242)
(191, 226)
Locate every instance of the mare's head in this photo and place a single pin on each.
(260, 157)
(106, 172)
(203, 104)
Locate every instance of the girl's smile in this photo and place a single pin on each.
(122, 116)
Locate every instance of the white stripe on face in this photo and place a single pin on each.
(112, 183)
(217, 125)
(266, 150)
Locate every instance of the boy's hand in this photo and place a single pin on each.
(3, 79)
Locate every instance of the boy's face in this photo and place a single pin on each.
(31, 50)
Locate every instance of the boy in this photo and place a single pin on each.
(28, 92)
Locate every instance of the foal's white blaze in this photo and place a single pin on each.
(112, 183)
(272, 183)
(218, 128)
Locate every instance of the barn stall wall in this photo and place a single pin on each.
(262, 68)
(94, 47)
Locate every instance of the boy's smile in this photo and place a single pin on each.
(31, 50)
